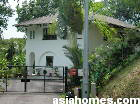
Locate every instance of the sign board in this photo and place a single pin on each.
(25, 80)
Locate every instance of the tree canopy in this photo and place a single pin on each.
(70, 13)
(126, 10)
(5, 13)
(35, 9)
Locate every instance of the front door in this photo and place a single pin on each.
(49, 61)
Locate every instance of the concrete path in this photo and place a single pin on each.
(34, 95)
(36, 86)
(27, 98)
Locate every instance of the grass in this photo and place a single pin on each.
(125, 84)
(62, 95)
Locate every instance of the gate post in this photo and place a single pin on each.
(63, 78)
(6, 76)
(44, 72)
(25, 77)
(63, 74)
(66, 83)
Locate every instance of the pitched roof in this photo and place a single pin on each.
(40, 20)
(112, 21)
(51, 18)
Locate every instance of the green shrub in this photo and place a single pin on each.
(108, 60)
(75, 56)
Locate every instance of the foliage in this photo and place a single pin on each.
(10, 52)
(3, 67)
(62, 28)
(69, 13)
(106, 30)
(52, 28)
(3, 64)
(35, 9)
(3, 48)
(95, 6)
(109, 59)
(98, 8)
(75, 55)
(126, 10)
(14, 54)
(5, 13)
(125, 83)
(19, 60)
(6, 43)
(73, 15)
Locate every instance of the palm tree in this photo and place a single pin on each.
(75, 55)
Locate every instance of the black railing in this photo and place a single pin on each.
(50, 37)
(25, 76)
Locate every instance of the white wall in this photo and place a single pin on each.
(95, 37)
(43, 48)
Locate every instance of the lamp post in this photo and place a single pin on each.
(85, 89)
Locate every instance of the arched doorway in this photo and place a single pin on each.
(46, 56)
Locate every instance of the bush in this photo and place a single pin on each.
(109, 59)
(75, 56)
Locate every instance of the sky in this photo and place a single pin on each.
(11, 31)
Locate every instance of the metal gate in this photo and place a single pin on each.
(36, 79)
(46, 79)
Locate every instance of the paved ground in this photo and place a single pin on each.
(34, 95)
(30, 98)
(36, 86)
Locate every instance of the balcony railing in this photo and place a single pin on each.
(50, 37)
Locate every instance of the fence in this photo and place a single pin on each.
(34, 79)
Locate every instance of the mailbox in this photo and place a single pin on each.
(72, 72)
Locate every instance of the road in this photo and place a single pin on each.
(34, 94)
(35, 86)
(27, 98)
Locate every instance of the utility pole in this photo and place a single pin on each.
(85, 89)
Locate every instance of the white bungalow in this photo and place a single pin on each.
(43, 49)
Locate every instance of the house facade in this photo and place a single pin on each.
(45, 49)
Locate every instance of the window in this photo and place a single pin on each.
(47, 35)
(49, 61)
(32, 34)
(26, 30)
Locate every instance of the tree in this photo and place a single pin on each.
(10, 52)
(75, 55)
(69, 11)
(126, 10)
(34, 9)
(5, 13)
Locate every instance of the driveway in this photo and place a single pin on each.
(34, 95)
(27, 98)
(36, 86)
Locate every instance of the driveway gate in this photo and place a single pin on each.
(35, 79)
(46, 79)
